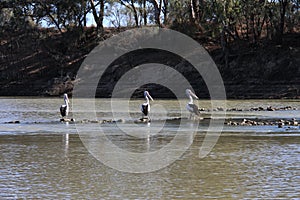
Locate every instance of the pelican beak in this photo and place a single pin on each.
(67, 98)
(150, 97)
(194, 95)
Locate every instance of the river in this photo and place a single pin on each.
(44, 158)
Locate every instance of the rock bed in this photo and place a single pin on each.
(269, 108)
(90, 121)
(280, 123)
(87, 121)
(111, 121)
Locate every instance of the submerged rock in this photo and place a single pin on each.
(269, 108)
(67, 120)
(280, 123)
(94, 121)
(13, 122)
(260, 108)
(121, 121)
(145, 119)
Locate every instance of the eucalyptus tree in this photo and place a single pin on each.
(230, 20)
(131, 5)
(98, 8)
(118, 15)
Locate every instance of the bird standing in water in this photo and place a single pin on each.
(64, 109)
(191, 107)
(145, 107)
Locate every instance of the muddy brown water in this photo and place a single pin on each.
(43, 158)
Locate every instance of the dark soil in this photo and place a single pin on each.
(44, 62)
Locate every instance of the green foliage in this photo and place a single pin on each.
(234, 20)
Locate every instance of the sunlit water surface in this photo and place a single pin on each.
(44, 158)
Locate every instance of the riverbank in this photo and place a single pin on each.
(44, 62)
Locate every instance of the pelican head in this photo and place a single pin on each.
(147, 95)
(191, 107)
(190, 94)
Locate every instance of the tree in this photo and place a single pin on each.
(165, 11)
(116, 14)
(131, 5)
(98, 16)
(157, 4)
(283, 6)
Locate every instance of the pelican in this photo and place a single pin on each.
(64, 109)
(145, 107)
(191, 106)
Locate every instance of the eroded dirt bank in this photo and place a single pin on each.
(44, 63)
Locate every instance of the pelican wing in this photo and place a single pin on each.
(63, 110)
(193, 109)
(144, 109)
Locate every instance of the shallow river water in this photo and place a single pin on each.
(41, 157)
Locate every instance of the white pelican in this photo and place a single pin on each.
(64, 109)
(191, 106)
(145, 107)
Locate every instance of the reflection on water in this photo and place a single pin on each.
(42, 158)
(49, 166)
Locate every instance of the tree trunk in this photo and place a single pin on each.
(157, 10)
(192, 12)
(224, 47)
(94, 11)
(166, 11)
(84, 13)
(101, 14)
(135, 14)
(144, 12)
(196, 4)
(283, 5)
(98, 19)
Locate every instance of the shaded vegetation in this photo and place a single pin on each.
(254, 43)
